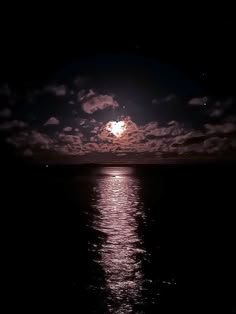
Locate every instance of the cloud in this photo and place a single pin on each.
(80, 81)
(215, 144)
(82, 121)
(71, 139)
(67, 129)
(228, 103)
(59, 90)
(224, 128)
(152, 129)
(98, 103)
(216, 113)
(83, 94)
(155, 101)
(5, 90)
(233, 143)
(52, 121)
(5, 113)
(169, 97)
(198, 101)
(31, 139)
(231, 118)
(28, 152)
(9, 125)
(172, 122)
(41, 139)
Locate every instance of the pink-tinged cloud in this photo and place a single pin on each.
(67, 129)
(52, 121)
(5, 113)
(82, 121)
(95, 130)
(71, 139)
(198, 101)
(9, 125)
(99, 102)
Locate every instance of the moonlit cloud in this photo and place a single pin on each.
(99, 102)
(52, 121)
(67, 129)
(198, 101)
(5, 113)
(82, 121)
(143, 135)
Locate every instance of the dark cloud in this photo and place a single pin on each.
(57, 90)
(28, 152)
(14, 124)
(169, 97)
(216, 113)
(5, 90)
(5, 113)
(225, 128)
(31, 139)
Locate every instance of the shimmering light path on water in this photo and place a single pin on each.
(118, 210)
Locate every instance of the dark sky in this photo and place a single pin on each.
(180, 101)
(35, 43)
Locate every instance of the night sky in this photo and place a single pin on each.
(66, 76)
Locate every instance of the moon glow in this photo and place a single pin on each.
(116, 128)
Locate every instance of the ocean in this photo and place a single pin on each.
(119, 239)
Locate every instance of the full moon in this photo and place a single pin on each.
(116, 128)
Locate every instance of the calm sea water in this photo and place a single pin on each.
(119, 239)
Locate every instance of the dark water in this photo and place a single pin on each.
(119, 239)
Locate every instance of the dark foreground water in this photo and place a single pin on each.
(119, 239)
